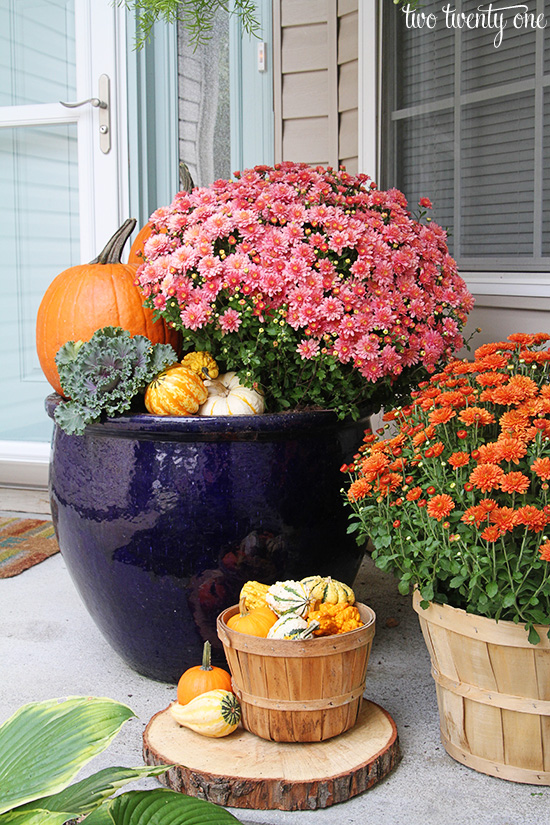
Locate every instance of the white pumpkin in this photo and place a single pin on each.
(227, 396)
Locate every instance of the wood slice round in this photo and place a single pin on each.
(243, 771)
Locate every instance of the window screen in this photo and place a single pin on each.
(466, 124)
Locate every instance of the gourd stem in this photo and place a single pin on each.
(220, 387)
(206, 656)
(113, 249)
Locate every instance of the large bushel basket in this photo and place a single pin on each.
(294, 690)
(493, 692)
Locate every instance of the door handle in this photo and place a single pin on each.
(103, 104)
(95, 101)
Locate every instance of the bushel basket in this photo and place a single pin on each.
(298, 690)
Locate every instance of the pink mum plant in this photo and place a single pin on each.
(311, 283)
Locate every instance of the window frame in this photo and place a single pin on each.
(524, 281)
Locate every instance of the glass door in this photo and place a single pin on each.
(63, 189)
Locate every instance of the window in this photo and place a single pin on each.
(466, 124)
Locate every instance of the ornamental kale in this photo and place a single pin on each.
(104, 375)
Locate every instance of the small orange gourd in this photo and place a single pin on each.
(202, 678)
(176, 390)
(256, 622)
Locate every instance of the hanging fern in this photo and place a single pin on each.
(197, 16)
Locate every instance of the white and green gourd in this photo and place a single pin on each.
(214, 713)
(290, 626)
(324, 589)
(288, 597)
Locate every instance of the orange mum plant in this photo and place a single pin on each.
(455, 499)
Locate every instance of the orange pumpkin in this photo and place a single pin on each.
(87, 297)
(202, 678)
(256, 622)
(176, 390)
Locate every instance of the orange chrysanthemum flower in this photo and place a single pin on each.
(491, 379)
(514, 482)
(452, 398)
(491, 533)
(496, 361)
(533, 518)
(486, 477)
(488, 453)
(505, 518)
(514, 422)
(459, 459)
(522, 387)
(473, 515)
(487, 505)
(435, 450)
(541, 466)
(441, 415)
(414, 494)
(544, 551)
(359, 489)
(476, 415)
(439, 506)
(372, 466)
(510, 449)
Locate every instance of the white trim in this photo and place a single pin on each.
(24, 464)
(527, 284)
(368, 92)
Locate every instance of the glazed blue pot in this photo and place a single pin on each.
(162, 519)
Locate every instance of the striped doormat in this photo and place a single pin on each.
(23, 543)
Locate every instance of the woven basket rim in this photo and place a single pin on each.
(479, 627)
(318, 646)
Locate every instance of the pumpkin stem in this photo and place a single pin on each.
(207, 656)
(113, 249)
(218, 387)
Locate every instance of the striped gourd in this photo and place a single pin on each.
(175, 391)
(290, 626)
(288, 597)
(214, 713)
(327, 590)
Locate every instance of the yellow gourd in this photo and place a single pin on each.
(202, 364)
(252, 595)
(214, 713)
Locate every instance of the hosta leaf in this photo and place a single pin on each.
(82, 797)
(159, 807)
(34, 817)
(44, 744)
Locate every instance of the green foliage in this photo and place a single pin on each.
(197, 16)
(44, 745)
(104, 375)
(456, 501)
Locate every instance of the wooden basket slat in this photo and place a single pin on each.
(329, 669)
(543, 674)
(483, 730)
(441, 652)
(451, 715)
(515, 671)
(473, 662)
(523, 740)
(545, 734)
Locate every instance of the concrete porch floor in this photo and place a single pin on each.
(50, 647)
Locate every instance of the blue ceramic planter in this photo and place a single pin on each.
(161, 520)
